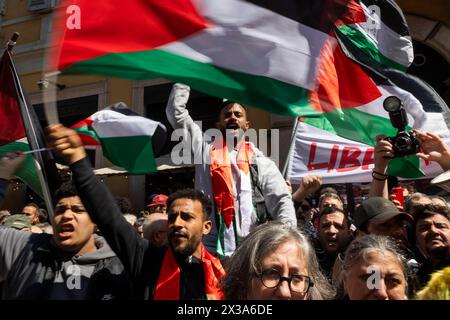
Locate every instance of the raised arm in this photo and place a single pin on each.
(181, 121)
(383, 154)
(99, 202)
(310, 184)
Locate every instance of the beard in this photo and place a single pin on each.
(187, 250)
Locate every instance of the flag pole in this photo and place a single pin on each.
(31, 134)
(12, 42)
(291, 148)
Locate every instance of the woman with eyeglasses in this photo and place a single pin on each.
(275, 262)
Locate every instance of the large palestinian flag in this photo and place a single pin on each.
(368, 67)
(128, 140)
(382, 36)
(263, 53)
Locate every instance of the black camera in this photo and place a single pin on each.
(405, 142)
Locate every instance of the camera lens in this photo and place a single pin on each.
(402, 143)
(392, 104)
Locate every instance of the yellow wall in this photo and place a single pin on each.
(259, 119)
(16, 9)
(120, 91)
(29, 30)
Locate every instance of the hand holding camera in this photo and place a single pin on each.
(383, 153)
(425, 145)
(405, 142)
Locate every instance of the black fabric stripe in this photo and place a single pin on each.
(430, 99)
(391, 15)
(317, 14)
(361, 57)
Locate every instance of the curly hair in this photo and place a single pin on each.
(193, 195)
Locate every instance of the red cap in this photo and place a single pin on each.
(159, 199)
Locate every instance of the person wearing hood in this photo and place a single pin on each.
(71, 264)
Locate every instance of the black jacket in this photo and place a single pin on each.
(141, 260)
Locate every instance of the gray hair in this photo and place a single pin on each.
(410, 203)
(361, 247)
(440, 198)
(153, 223)
(328, 195)
(245, 261)
(131, 218)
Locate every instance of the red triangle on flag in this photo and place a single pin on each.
(11, 125)
(116, 26)
(341, 83)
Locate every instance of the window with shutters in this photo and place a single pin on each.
(40, 5)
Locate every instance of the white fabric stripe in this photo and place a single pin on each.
(389, 43)
(307, 134)
(23, 140)
(417, 117)
(112, 124)
(325, 141)
(256, 41)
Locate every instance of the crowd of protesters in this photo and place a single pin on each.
(236, 236)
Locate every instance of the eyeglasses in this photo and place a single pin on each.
(299, 283)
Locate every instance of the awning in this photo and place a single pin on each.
(163, 163)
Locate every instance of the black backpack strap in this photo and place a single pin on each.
(258, 197)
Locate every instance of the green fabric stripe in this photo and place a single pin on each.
(219, 245)
(89, 132)
(27, 173)
(135, 154)
(355, 125)
(258, 91)
(360, 41)
(363, 127)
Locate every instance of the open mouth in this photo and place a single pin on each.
(332, 243)
(65, 230)
(178, 235)
(233, 126)
(436, 241)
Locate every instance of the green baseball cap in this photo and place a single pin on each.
(376, 209)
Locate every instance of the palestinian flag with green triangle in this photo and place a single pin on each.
(18, 126)
(383, 36)
(128, 140)
(366, 68)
